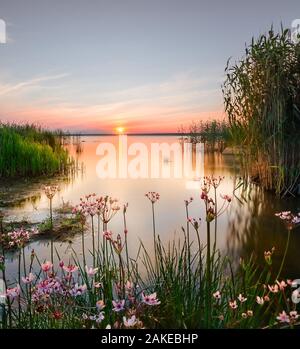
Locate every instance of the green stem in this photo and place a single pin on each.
(285, 254)
(93, 241)
(208, 278)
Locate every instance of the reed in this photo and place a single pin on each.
(28, 150)
(262, 100)
(215, 134)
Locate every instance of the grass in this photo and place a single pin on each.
(262, 100)
(187, 284)
(215, 134)
(28, 151)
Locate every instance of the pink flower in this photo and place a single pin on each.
(91, 271)
(78, 290)
(61, 264)
(130, 322)
(282, 284)
(273, 288)
(47, 266)
(233, 304)
(241, 298)
(13, 293)
(226, 198)
(290, 219)
(28, 279)
(294, 315)
(70, 268)
(283, 317)
(129, 286)
(107, 235)
(260, 300)
(100, 305)
(118, 305)
(217, 295)
(150, 299)
(97, 285)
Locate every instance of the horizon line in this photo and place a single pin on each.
(134, 134)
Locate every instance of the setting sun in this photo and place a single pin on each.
(120, 129)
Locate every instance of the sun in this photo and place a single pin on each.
(120, 130)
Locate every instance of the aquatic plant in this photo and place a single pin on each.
(28, 150)
(183, 287)
(262, 101)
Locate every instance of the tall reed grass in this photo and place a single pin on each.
(262, 100)
(28, 150)
(215, 134)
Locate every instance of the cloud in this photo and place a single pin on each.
(75, 105)
(11, 88)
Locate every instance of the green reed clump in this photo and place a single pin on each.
(27, 150)
(262, 100)
(215, 134)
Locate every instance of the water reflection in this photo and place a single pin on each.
(248, 227)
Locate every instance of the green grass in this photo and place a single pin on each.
(262, 100)
(28, 150)
(185, 274)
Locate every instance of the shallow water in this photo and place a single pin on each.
(247, 227)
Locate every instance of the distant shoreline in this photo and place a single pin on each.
(131, 134)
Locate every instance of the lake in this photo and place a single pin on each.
(248, 226)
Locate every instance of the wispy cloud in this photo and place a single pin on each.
(19, 86)
(73, 105)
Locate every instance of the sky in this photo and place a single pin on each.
(146, 65)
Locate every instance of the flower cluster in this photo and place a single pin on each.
(291, 220)
(152, 196)
(210, 204)
(104, 206)
(283, 317)
(268, 256)
(17, 238)
(56, 286)
(13, 293)
(50, 191)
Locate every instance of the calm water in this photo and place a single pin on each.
(247, 227)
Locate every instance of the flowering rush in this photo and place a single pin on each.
(150, 299)
(290, 219)
(217, 295)
(47, 266)
(91, 271)
(130, 322)
(105, 207)
(118, 305)
(233, 304)
(50, 191)
(13, 293)
(18, 238)
(28, 279)
(100, 305)
(152, 196)
(70, 268)
(241, 298)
